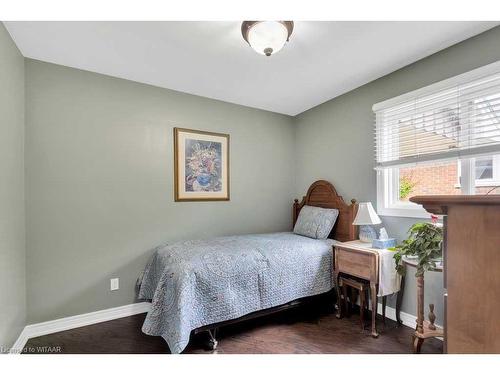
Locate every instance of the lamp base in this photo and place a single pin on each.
(367, 233)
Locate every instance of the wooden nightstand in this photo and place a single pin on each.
(359, 259)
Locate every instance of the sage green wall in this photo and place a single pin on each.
(99, 189)
(99, 172)
(334, 140)
(12, 218)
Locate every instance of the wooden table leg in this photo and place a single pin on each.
(420, 304)
(362, 308)
(367, 299)
(373, 297)
(338, 315)
(384, 304)
(347, 311)
(424, 329)
(399, 301)
(416, 344)
(353, 298)
(417, 341)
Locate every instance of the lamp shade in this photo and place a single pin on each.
(366, 215)
(267, 37)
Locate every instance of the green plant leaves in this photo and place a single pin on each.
(425, 241)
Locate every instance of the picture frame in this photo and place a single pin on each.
(201, 165)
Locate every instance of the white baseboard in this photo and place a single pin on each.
(390, 312)
(63, 324)
(20, 342)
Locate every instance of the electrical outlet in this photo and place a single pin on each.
(114, 284)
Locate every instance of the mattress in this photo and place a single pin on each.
(195, 283)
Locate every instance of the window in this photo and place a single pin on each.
(442, 139)
(487, 174)
(484, 169)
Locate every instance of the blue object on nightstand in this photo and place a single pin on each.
(384, 244)
(367, 233)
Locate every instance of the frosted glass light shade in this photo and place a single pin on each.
(366, 215)
(267, 37)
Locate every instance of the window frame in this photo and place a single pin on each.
(386, 189)
(387, 175)
(388, 203)
(495, 180)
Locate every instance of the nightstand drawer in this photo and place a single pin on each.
(362, 264)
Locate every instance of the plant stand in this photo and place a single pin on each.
(425, 329)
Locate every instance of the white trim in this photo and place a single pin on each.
(71, 322)
(390, 313)
(467, 176)
(483, 71)
(404, 212)
(20, 342)
(384, 206)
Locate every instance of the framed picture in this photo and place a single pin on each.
(201, 165)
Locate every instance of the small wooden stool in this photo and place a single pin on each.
(363, 287)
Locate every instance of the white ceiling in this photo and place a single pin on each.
(211, 59)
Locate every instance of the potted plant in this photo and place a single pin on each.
(424, 243)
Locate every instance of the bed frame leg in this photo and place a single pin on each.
(212, 341)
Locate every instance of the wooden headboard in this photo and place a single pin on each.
(322, 194)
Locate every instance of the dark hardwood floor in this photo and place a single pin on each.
(308, 329)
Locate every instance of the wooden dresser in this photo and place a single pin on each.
(471, 270)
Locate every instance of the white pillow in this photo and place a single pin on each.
(315, 222)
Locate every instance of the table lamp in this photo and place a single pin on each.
(365, 218)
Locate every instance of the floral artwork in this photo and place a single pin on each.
(201, 165)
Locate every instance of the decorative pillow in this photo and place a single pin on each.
(315, 222)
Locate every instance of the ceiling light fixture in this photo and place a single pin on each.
(266, 37)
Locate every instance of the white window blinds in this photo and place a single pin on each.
(454, 118)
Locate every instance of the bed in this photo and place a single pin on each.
(201, 285)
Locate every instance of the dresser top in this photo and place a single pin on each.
(437, 204)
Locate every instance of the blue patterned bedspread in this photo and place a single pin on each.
(195, 283)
